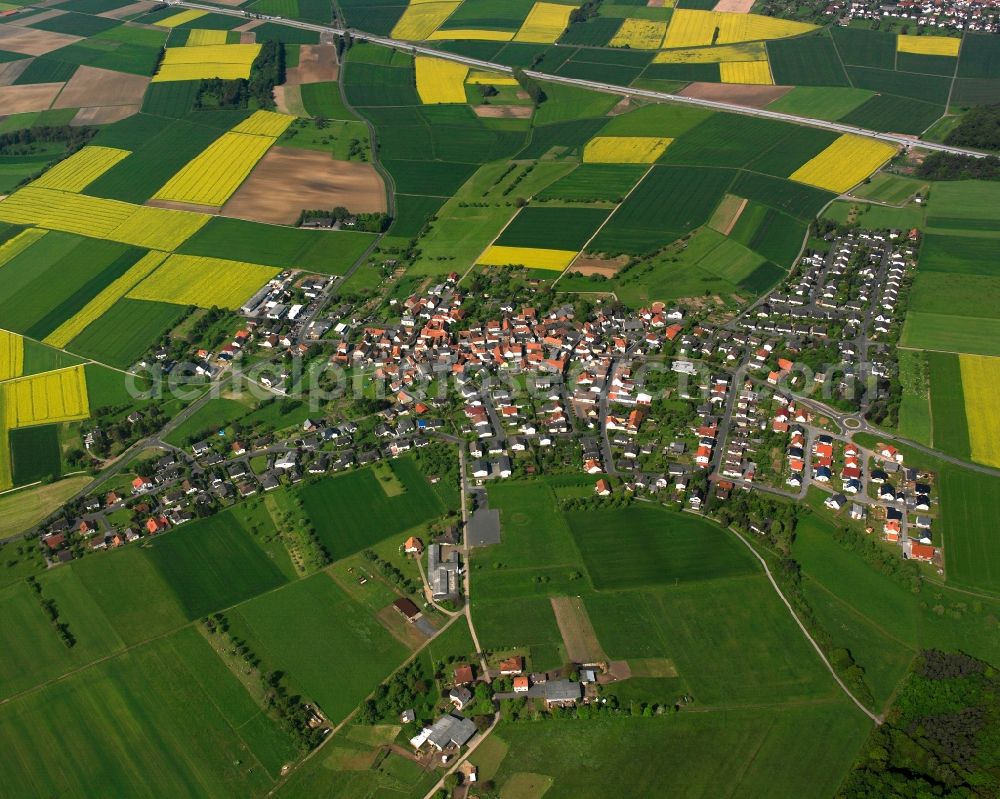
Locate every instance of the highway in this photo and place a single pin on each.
(646, 94)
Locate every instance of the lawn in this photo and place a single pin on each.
(644, 546)
(330, 647)
(215, 415)
(351, 511)
(738, 753)
(163, 719)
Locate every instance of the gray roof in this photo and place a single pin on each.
(451, 729)
(562, 691)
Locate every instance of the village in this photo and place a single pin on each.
(656, 403)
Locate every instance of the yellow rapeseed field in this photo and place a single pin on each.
(749, 51)
(212, 176)
(640, 34)
(81, 169)
(100, 305)
(265, 123)
(472, 34)
(757, 72)
(46, 398)
(492, 78)
(158, 228)
(544, 24)
(845, 163)
(15, 246)
(59, 210)
(421, 19)
(624, 149)
(694, 28)
(928, 45)
(180, 18)
(226, 61)
(195, 280)
(199, 37)
(98, 218)
(531, 257)
(980, 377)
(440, 81)
(11, 355)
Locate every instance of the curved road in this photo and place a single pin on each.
(716, 105)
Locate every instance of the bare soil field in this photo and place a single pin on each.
(10, 71)
(248, 37)
(592, 265)
(623, 105)
(127, 11)
(31, 41)
(737, 6)
(577, 632)
(750, 96)
(104, 114)
(503, 111)
(92, 86)
(288, 99)
(317, 62)
(249, 26)
(288, 180)
(29, 97)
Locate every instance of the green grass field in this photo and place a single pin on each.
(970, 501)
(669, 202)
(820, 102)
(214, 563)
(146, 322)
(166, 719)
(589, 182)
(330, 647)
(644, 546)
(35, 453)
(31, 652)
(949, 422)
(552, 228)
(326, 252)
(736, 753)
(351, 511)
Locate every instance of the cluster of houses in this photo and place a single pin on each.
(973, 15)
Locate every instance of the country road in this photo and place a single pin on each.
(647, 94)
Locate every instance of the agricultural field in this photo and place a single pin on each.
(625, 150)
(329, 505)
(845, 163)
(145, 321)
(11, 355)
(211, 177)
(46, 398)
(80, 169)
(224, 61)
(979, 377)
(320, 658)
(696, 28)
(202, 281)
(693, 753)
(640, 547)
(440, 81)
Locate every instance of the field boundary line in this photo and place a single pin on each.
(767, 571)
